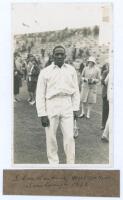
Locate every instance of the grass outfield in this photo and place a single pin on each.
(30, 140)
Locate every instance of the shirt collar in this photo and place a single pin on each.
(55, 66)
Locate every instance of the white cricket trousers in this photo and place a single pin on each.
(60, 112)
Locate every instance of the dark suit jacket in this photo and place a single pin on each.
(104, 87)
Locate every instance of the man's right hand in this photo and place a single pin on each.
(45, 121)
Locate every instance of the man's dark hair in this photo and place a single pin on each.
(57, 47)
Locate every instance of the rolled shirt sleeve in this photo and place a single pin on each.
(41, 95)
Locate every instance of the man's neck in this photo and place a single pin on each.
(59, 65)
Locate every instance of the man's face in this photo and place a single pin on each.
(59, 56)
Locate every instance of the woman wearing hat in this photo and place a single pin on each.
(90, 77)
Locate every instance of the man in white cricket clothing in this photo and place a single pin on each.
(57, 103)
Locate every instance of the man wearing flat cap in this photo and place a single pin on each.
(57, 102)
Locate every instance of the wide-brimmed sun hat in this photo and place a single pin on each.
(91, 59)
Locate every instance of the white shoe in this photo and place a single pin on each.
(32, 103)
(88, 117)
(82, 115)
(15, 100)
(18, 99)
(104, 139)
(29, 99)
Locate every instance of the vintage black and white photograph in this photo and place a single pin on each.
(62, 83)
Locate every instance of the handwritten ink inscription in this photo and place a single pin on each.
(61, 182)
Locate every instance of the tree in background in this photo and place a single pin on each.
(96, 31)
(85, 32)
(89, 31)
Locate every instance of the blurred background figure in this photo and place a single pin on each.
(105, 135)
(82, 65)
(79, 66)
(105, 103)
(90, 77)
(74, 52)
(32, 76)
(17, 83)
(18, 62)
(50, 60)
(38, 60)
(44, 58)
(42, 52)
(76, 64)
(24, 69)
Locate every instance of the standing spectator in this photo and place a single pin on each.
(80, 52)
(24, 69)
(32, 76)
(105, 103)
(105, 135)
(76, 64)
(57, 102)
(80, 71)
(17, 83)
(42, 52)
(79, 66)
(90, 78)
(38, 60)
(50, 60)
(18, 63)
(69, 56)
(74, 53)
(44, 59)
